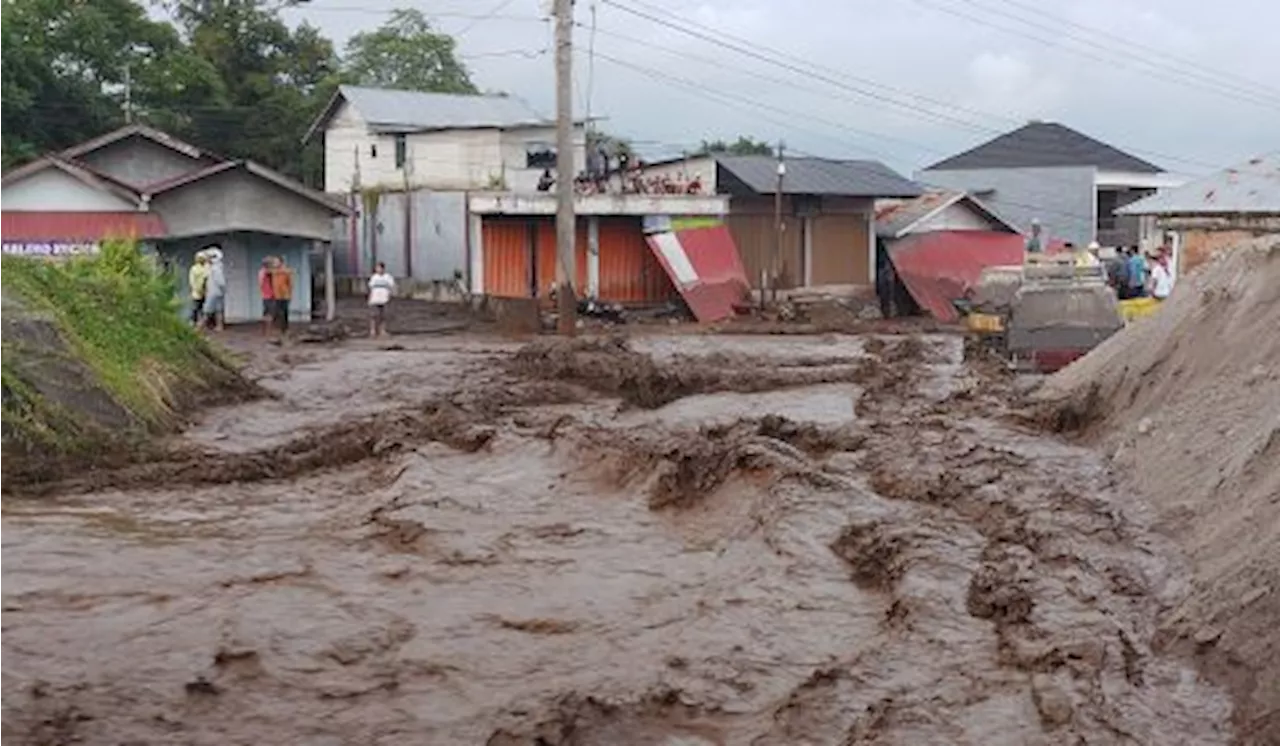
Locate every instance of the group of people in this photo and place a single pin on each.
(207, 280)
(1134, 275)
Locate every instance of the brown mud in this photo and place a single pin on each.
(677, 540)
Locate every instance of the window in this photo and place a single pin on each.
(402, 150)
(539, 155)
(373, 150)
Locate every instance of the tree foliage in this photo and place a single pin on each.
(744, 145)
(229, 75)
(405, 52)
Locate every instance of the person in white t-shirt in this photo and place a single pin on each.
(381, 286)
(1161, 276)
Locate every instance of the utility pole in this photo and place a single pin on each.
(128, 95)
(777, 224)
(566, 260)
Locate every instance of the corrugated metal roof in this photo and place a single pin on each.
(1044, 145)
(1251, 187)
(941, 266)
(79, 226)
(391, 110)
(820, 176)
(894, 220)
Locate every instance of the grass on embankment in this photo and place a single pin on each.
(96, 357)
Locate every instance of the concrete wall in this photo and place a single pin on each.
(239, 201)
(685, 170)
(242, 255)
(437, 228)
(57, 191)
(139, 161)
(1063, 199)
(445, 160)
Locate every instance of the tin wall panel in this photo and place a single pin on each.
(439, 235)
(840, 250)
(755, 237)
(547, 255)
(507, 251)
(629, 272)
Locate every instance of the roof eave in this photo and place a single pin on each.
(322, 119)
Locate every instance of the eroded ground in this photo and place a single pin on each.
(681, 540)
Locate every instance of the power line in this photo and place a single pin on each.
(717, 37)
(501, 6)
(1123, 59)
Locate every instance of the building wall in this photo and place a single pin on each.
(751, 222)
(832, 245)
(139, 161)
(434, 225)
(685, 170)
(238, 201)
(1197, 246)
(457, 159)
(1061, 198)
(57, 191)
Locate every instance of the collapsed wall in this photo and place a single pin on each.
(1188, 404)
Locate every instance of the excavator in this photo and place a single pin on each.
(1042, 314)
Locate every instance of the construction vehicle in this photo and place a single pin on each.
(1042, 314)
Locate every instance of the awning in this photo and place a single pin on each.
(78, 227)
(938, 267)
(704, 266)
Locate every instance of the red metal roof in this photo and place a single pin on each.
(79, 226)
(940, 266)
(704, 265)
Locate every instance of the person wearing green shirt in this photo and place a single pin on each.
(198, 281)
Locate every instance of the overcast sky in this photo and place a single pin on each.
(1211, 98)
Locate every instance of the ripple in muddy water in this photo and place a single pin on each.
(822, 588)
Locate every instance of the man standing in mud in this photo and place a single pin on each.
(282, 293)
(198, 282)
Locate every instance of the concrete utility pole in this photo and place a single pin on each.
(777, 224)
(566, 261)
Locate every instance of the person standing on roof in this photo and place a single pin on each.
(1035, 242)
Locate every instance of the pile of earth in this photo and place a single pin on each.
(1188, 405)
(97, 362)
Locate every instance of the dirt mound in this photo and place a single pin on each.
(609, 365)
(1188, 402)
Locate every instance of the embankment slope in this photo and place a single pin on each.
(95, 360)
(1188, 404)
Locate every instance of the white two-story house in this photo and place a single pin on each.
(377, 137)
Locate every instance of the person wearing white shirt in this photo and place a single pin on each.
(381, 286)
(1161, 276)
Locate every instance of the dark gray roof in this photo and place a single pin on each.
(821, 176)
(1044, 144)
(389, 110)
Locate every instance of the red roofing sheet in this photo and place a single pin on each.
(704, 265)
(940, 266)
(79, 226)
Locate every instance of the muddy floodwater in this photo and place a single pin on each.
(683, 540)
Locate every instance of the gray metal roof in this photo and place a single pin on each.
(389, 110)
(1044, 145)
(897, 219)
(821, 176)
(1251, 187)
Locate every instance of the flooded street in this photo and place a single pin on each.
(681, 540)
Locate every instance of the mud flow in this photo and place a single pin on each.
(670, 540)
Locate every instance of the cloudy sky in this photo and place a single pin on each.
(1186, 84)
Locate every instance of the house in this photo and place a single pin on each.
(828, 213)
(176, 199)
(1217, 211)
(938, 244)
(1067, 180)
(404, 140)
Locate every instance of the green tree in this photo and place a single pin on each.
(405, 52)
(742, 146)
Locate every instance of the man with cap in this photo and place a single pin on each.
(216, 293)
(198, 282)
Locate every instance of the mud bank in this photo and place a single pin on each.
(871, 559)
(1187, 405)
